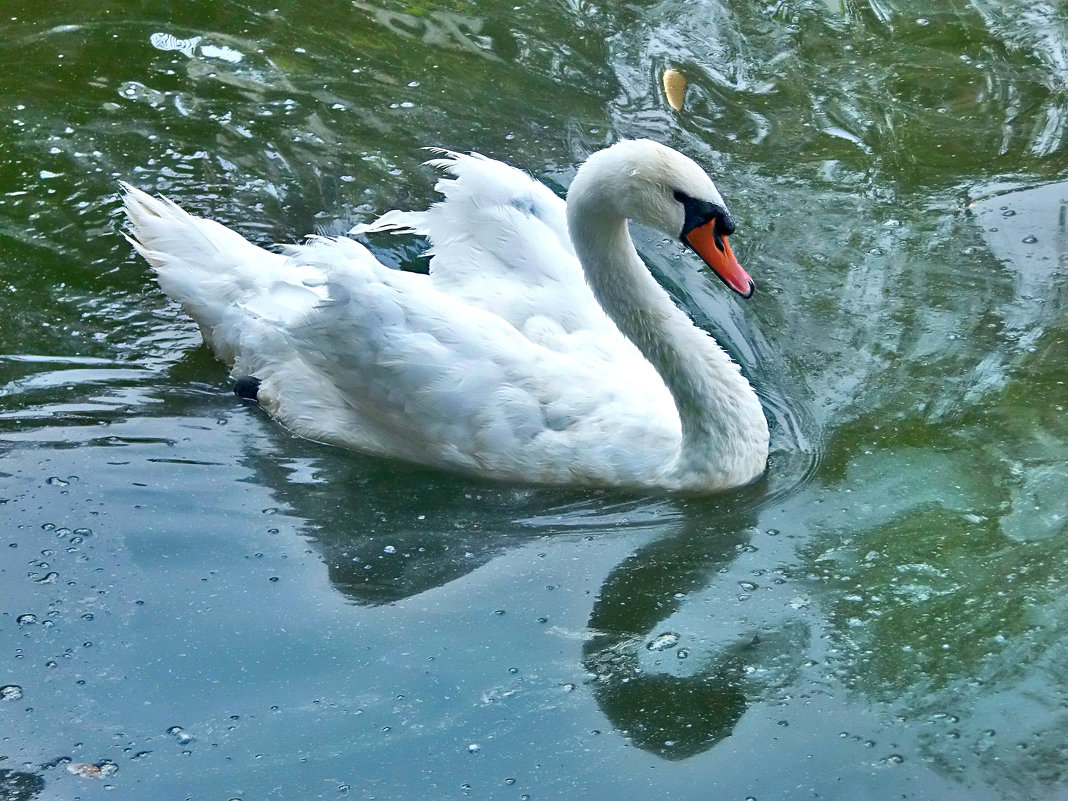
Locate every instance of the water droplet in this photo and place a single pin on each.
(1008, 213)
(10, 692)
(663, 642)
(1030, 239)
(748, 586)
(569, 687)
(509, 781)
(180, 734)
(894, 759)
(85, 770)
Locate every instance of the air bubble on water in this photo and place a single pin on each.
(56, 481)
(1030, 239)
(389, 549)
(26, 620)
(473, 748)
(10, 692)
(682, 653)
(663, 642)
(180, 734)
(48, 578)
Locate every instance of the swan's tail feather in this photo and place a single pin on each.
(203, 265)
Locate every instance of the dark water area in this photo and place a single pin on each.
(194, 603)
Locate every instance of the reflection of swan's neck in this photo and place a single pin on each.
(724, 432)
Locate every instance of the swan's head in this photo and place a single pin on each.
(650, 183)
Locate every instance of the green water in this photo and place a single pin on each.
(211, 608)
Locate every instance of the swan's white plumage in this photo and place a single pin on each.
(501, 362)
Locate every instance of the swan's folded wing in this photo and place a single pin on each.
(499, 241)
(388, 364)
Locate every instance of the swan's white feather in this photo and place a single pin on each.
(501, 362)
(499, 241)
(351, 352)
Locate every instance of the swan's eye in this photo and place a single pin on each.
(702, 212)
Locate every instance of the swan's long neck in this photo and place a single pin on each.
(724, 431)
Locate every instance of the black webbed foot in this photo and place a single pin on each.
(247, 387)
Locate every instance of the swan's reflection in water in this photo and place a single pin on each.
(662, 708)
(16, 785)
(400, 531)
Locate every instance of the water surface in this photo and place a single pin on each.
(199, 605)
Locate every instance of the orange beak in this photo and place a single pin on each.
(717, 254)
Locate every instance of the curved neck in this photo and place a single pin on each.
(724, 431)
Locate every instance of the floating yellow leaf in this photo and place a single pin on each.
(674, 88)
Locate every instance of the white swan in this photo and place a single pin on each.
(539, 348)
